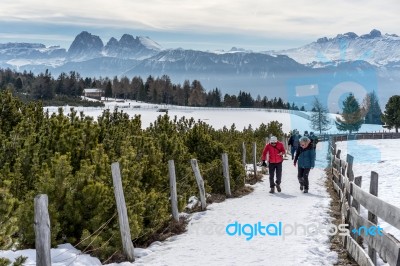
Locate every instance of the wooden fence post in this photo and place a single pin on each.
(244, 161)
(42, 230)
(200, 183)
(255, 159)
(333, 153)
(338, 154)
(225, 170)
(244, 155)
(334, 148)
(350, 173)
(172, 186)
(122, 213)
(285, 144)
(356, 205)
(373, 189)
(339, 170)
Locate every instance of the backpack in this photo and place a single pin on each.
(314, 140)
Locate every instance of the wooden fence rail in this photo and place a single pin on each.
(358, 136)
(352, 196)
(42, 220)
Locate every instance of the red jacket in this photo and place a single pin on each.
(275, 152)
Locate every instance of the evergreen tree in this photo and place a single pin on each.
(108, 92)
(197, 94)
(391, 116)
(8, 206)
(245, 99)
(280, 104)
(373, 110)
(319, 117)
(10, 114)
(43, 87)
(275, 129)
(214, 98)
(137, 88)
(258, 102)
(352, 116)
(231, 101)
(18, 84)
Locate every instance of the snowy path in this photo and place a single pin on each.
(207, 243)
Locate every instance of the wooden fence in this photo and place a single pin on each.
(42, 221)
(358, 136)
(352, 196)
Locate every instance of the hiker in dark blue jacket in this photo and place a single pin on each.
(314, 139)
(305, 160)
(294, 142)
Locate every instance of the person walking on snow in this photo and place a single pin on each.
(275, 151)
(305, 160)
(314, 139)
(294, 142)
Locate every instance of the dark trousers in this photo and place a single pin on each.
(293, 150)
(302, 175)
(272, 167)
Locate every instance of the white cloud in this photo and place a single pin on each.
(204, 25)
(272, 18)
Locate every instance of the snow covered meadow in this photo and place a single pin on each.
(383, 157)
(206, 241)
(216, 117)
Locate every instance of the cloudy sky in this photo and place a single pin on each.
(258, 25)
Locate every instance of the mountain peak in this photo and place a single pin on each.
(128, 39)
(373, 34)
(131, 47)
(85, 46)
(373, 47)
(149, 43)
(236, 49)
(112, 42)
(351, 36)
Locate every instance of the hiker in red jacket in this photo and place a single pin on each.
(275, 151)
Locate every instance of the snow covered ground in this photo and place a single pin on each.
(383, 157)
(216, 117)
(380, 156)
(206, 241)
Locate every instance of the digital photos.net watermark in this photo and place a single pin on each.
(283, 230)
(249, 231)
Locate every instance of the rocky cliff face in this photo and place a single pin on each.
(129, 47)
(85, 46)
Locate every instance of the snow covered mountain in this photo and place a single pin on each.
(372, 60)
(14, 55)
(85, 46)
(251, 72)
(132, 48)
(374, 48)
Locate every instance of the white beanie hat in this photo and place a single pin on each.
(273, 139)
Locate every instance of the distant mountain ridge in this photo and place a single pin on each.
(87, 46)
(275, 73)
(375, 48)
